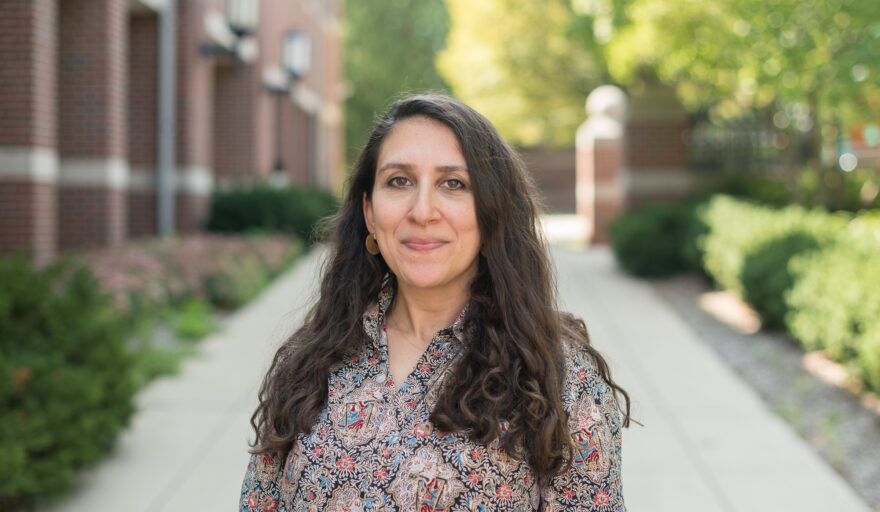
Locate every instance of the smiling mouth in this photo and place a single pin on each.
(423, 245)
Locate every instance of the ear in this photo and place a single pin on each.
(368, 213)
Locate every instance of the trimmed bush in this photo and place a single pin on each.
(737, 230)
(263, 208)
(835, 305)
(656, 240)
(65, 378)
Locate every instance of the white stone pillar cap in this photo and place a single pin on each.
(607, 101)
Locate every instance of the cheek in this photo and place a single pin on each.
(387, 216)
(466, 224)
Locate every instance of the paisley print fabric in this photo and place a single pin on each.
(374, 447)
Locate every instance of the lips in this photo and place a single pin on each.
(423, 244)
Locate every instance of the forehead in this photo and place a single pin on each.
(421, 141)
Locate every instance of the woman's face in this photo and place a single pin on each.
(422, 207)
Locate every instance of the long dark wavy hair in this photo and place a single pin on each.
(512, 366)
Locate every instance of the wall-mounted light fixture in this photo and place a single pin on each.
(296, 61)
(296, 53)
(230, 35)
(243, 16)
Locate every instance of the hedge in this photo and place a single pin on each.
(290, 210)
(834, 304)
(813, 273)
(657, 239)
(746, 247)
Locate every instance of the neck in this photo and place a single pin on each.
(419, 313)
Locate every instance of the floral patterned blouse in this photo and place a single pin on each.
(374, 448)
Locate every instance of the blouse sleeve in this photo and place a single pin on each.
(592, 481)
(259, 491)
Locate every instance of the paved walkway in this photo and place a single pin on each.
(708, 443)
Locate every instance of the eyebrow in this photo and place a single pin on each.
(409, 168)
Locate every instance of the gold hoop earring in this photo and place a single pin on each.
(372, 245)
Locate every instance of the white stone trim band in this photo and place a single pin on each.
(195, 180)
(660, 179)
(92, 172)
(28, 163)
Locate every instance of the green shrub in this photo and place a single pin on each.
(761, 189)
(193, 320)
(766, 275)
(264, 208)
(65, 382)
(737, 229)
(857, 191)
(656, 239)
(834, 304)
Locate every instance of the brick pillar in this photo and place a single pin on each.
(143, 51)
(93, 124)
(28, 143)
(195, 119)
(600, 188)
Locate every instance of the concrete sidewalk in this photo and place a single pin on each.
(708, 443)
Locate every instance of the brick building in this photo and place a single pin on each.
(93, 93)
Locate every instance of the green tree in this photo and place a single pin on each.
(527, 66)
(812, 63)
(390, 46)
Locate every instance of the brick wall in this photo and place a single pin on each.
(93, 122)
(92, 78)
(143, 65)
(554, 173)
(195, 87)
(27, 219)
(95, 216)
(27, 73)
(28, 137)
(190, 212)
(653, 144)
(142, 213)
(235, 87)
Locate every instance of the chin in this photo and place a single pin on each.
(417, 280)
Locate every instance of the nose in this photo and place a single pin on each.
(424, 207)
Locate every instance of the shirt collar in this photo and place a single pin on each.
(374, 317)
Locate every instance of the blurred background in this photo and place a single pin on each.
(163, 161)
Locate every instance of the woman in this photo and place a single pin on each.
(435, 372)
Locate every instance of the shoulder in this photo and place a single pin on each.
(585, 390)
(591, 481)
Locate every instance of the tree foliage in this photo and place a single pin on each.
(527, 66)
(814, 61)
(390, 46)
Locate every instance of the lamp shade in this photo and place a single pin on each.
(243, 16)
(296, 53)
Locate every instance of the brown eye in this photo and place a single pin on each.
(398, 181)
(455, 184)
